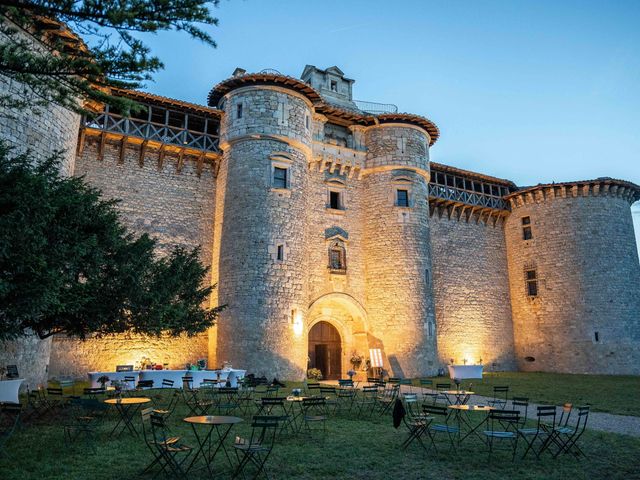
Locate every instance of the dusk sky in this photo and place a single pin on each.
(535, 92)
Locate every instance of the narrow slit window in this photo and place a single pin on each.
(334, 200)
(527, 234)
(279, 177)
(596, 336)
(531, 283)
(402, 198)
(280, 253)
(239, 111)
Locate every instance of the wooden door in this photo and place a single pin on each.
(325, 350)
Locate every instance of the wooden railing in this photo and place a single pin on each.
(467, 197)
(182, 137)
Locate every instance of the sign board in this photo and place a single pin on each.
(375, 354)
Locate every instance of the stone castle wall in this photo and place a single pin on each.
(175, 208)
(471, 293)
(585, 258)
(41, 132)
(265, 295)
(398, 258)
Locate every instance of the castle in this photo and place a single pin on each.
(330, 232)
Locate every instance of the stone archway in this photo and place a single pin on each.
(348, 318)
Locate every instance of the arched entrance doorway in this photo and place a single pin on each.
(325, 350)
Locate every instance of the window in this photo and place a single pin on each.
(279, 177)
(239, 111)
(280, 253)
(402, 198)
(334, 200)
(596, 336)
(334, 86)
(531, 282)
(306, 121)
(430, 329)
(526, 228)
(337, 258)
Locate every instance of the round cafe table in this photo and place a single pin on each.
(461, 415)
(295, 413)
(127, 408)
(222, 426)
(460, 397)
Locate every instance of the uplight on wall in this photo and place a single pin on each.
(296, 322)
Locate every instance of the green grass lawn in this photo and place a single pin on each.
(605, 393)
(353, 449)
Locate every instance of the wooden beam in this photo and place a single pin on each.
(180, 161)
(103, 138)
(143, 151)
(123, 147)
(161, 156)
(200, 163)
(81, 138)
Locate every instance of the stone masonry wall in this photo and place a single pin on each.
(42, 131)
(398, 254)
(175, 208)
(584, 254)
(265, 295)
(471, 292)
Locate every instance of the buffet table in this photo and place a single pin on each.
(9, 390)
(198, 376)
(465, 371)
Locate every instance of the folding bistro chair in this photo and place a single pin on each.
(314, 411)
(166, 383)
(345, 398)
(521, 404)
(367, 400)
(170, 407)
(313, 389)
(546, 421)
(345, 383)
(331, 398)
(406, 382)
(507, 420)
(276, 407)
(427, 384)
(169, 448)
(500, 397)
(442, 415)
(150, 442)
(225, 400)
(413, 420)
(9, 420)
(440, 388)
(385, 401)
(83, 424)
(566, 436)
(256, 449)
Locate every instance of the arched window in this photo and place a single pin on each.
(337, 258)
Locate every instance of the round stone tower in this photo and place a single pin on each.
(260, 232)
(397, 248)
(575, 277)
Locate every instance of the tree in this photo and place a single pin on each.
(68, 265)
(112, 53)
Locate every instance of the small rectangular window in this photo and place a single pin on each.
(239, 110)
(531, 280)
(279, 177)
(306, 121)
(596, 336)
(402, 198)
(430, 328)
(334, 200)
(280, 253)
(334, 86)
(527, 234)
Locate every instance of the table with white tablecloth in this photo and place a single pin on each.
(198, 376)
(462, 372)
(9, 390)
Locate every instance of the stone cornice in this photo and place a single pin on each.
(387, 168)
(601, 187)
(292, 142)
